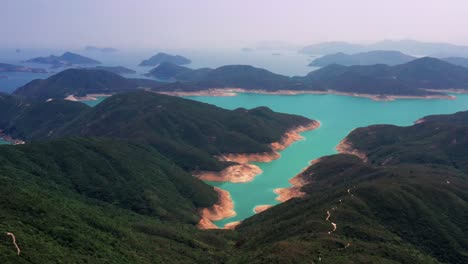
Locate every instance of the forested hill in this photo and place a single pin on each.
(407, 204)
(187, 131)
(413, 78)
(100, 201)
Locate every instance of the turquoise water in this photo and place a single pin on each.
(338, 116)
(93, 103)
(3, 142)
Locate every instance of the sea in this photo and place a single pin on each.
(337, 114)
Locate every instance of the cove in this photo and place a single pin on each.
(338, 116)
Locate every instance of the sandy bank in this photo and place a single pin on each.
(346, 147)
(261, 208)
(224, 208)
(235, 91)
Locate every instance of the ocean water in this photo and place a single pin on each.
(284, 62)
(338, 115)
(3, 142)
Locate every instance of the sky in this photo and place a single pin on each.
(226, 23)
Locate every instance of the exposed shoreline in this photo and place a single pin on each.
(375, 97)
(11, 140)
(88, 97)
(346, 148)
(260, 208)
(245, 172)
(224, 208)
(297, 183)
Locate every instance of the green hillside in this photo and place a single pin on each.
(186, 131)
(409, 204)
(100, 201)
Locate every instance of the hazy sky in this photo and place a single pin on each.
(222, 23)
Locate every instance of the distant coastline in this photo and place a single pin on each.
(375, 97)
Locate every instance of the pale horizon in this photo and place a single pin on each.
(220, 24)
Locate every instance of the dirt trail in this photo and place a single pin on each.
(328, 220)
(13, 238)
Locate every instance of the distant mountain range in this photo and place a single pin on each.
(414, 78)
(363, 58)
(66, 59)
(412, 47)
(5, 67)
(404, 79)
(164, 57)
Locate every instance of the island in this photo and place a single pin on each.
(164, 57)
(66, 59)
(364, 58)
(5, 67)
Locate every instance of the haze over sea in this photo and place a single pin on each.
(286, 62)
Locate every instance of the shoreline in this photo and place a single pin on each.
(260, 208)
(11, 140)
(345, 147)
(223, 208)
(297, 182)
(235, 91)
(88, 97)
(246, 172)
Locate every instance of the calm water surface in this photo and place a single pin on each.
(338, 116)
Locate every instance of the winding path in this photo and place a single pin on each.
(13, 238)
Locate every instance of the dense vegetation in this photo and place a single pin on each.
(408, 204)
(363, 58)
(101, 201)
(188, 132)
